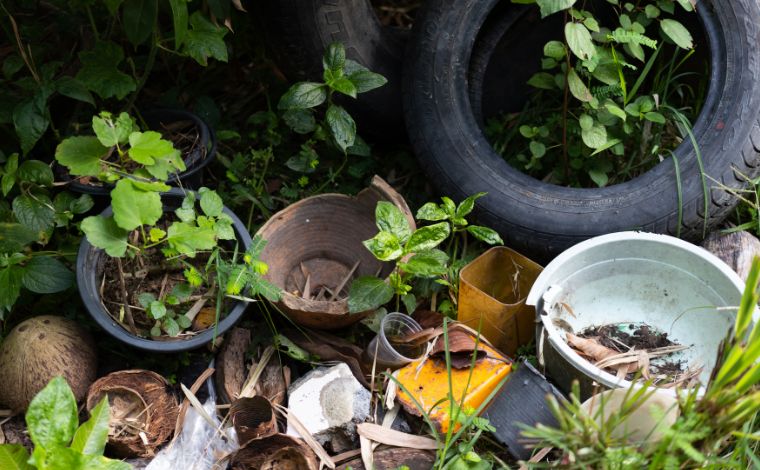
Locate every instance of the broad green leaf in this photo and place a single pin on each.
(133, 207)
(300, 120)
(342, 126)
(615, 110)
(579, 40)
(170, 326)
(165, 165)
(154, 186)
(651, 11)
(14, 457)
(549, 7)
(12, 64)
(205, 40)
(410, 302)
(687, 5)
(542, 80)
(183, 322)
(428, 237)
(426, 263)
(368, 293)
(303, 95)
(430, 211)
(385, 246)
(179, 20)
(52, 415)
(610, 143)
(73, 88)
(138, 18)
(598, 177)
(35, 171)
(100, 73)
(9, 174)
(81, 155)
(466, 206)
(36, 212)
(146, 298)
(10, 285)
(157, 310)
(586, 122)
(144, 146)
(91, 437)
(103, 233)
(485, 234)
(365, 81)
(677, 33)
(211, 202)
(113, 6)
(334, 58)
(46, 275)
(188, 239)
(555, 50)
(112, 132)
(30, 121)
(537, 149)
(343, 85)
(655, 117)
(389, 218)
(14, 237)
(577, 87)
(595, 136)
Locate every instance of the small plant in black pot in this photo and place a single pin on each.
(178, 146)
(158, 267)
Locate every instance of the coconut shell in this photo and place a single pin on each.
(39, 349)
(252, 418)
(276, 452)
(230, 364)
(141, 401)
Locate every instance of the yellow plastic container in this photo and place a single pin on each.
(493, 288)
(430, 385)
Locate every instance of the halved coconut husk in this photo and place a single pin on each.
(230, 364)
(143, 411)
(252, 418)
(276, 452)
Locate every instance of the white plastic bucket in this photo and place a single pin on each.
(674, 286)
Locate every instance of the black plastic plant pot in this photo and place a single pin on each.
(158, 119)
(90, 261)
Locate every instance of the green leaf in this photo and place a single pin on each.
(179, 20)
(385, 246)
(211, 202)
(36, 212)
(410, 302)
(205, 40)
(300, 120)
(262, 287)
(165, 165)
(113, 6)
(183, 322)
(46, 275)
(12, 64)
(651, 11)
(91, 437)
(368, 293)
(430, 211)
(10, 285)
(579, 40)
(14, 237)
(35, 171)
(555, 50)
(542, 80)
(105, 234)
(81, 155)
(365, 81)
(144, 146)
(30, 121)
(655, 117)
(577, 87)
(677, 33)
(110, 132)
(426, 263)
(303, 95)
(549, 7)
(343, 85)
(485, 234)
(133, 207)
(595, 136)
(73, 88)
(615, 110)
(428, 237)
(598, 177)
(145, 299)
(334, 58)
(610, 143)
(157, 309)
(342, 126)
(170, 326)
(52, 415)
(187, 238)
(466, 206)
(14, 457)
(389, 218)
(100, 73)
(537, 149)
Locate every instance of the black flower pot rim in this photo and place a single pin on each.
(88, 259)
(193, 164)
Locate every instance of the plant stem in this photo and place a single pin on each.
(125, 298)
(565, 104)
(334, 175)
(92, 23)
(146, 73)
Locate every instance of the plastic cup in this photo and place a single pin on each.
(387, 353)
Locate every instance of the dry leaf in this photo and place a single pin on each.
(391, 437)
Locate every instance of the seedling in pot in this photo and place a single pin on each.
(119, 149)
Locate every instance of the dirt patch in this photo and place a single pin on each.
(396, 13)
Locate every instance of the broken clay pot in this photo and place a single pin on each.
(276, 452)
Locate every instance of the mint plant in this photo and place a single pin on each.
(611, 91)
(59, 441)
(119, 149)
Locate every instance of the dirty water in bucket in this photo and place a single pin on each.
(666, 298)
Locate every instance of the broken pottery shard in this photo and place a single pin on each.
(329, 402)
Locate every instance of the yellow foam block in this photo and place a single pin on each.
(431, 385)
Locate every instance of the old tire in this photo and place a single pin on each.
(542, 219)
